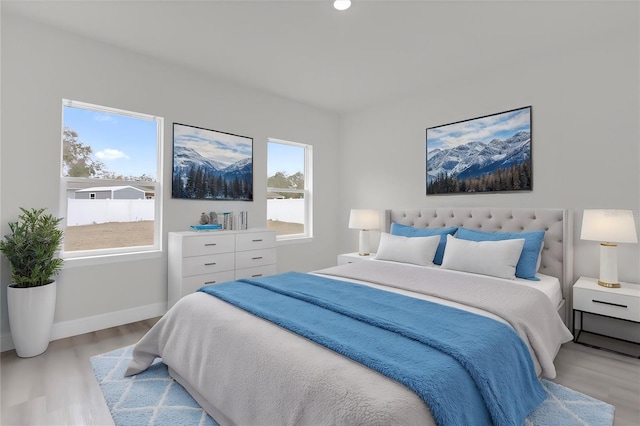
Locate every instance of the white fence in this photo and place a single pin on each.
(286, 210)
(89, 212)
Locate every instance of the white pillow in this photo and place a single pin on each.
(495, 258)
(416, 250)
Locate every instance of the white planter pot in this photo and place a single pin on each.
(31, 312)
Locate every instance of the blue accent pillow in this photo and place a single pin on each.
(410, 231)
(528, 264)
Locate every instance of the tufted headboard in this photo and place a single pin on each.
(556, 259)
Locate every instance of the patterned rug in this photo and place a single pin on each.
(153, 398)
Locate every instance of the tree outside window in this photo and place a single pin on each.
(289, 196)
(110, 180)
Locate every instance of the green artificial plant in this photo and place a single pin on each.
(31, 248)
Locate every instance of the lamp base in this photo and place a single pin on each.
(608, 266)
(608, 285)
(363, 249)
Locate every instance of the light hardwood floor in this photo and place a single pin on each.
(58, 387)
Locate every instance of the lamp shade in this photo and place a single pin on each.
(612, 226)
(364, 219)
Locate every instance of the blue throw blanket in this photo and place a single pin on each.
(469, 369)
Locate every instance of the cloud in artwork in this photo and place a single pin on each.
(223, 147)
(482, 129)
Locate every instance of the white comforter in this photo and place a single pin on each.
(244, 370)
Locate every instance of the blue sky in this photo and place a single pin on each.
(285, 158)
(485, 129)
(126, 145)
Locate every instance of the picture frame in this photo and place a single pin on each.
(211, 165)
(485, 154)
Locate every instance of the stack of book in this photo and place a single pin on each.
(208, 227)
(224, 221)
(241, 220)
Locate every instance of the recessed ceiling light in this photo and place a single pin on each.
(342, 4)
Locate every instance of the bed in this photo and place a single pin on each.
(247, 370)
(556, 258)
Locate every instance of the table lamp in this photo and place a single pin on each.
(609, 227)
(364, 220)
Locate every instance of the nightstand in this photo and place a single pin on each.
(345, 258)
(620, 303)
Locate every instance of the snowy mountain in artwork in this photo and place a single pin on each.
(242, 167)
(184, 158)
(476, 159)
(195, 176)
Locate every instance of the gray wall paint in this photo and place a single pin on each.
(585, 145)
(41, 66)
(586, 139)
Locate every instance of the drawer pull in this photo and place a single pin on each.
(210, 244)
(256, 258)
(210, 264)
(257, 241)
(256, 275)
(608, 303)
(211, 282)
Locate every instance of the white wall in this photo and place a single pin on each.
(585, 138)
(585, 146)
(41, 66)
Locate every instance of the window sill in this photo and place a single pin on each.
(293, 240)
(78, 262)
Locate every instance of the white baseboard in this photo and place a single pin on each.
(76, 327)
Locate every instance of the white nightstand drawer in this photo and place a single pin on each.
(198, 265)
(255, 240)
(252, 258)
(607, 303)
(208, 244)
(259, 271)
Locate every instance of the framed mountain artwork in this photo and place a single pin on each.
(481, 155)
(211, 165)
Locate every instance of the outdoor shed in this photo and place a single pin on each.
(110, 192)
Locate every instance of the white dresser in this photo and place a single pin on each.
(214, 257)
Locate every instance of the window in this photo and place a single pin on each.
(111, 173)
(289, 195)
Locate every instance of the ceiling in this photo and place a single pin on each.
(307, 51)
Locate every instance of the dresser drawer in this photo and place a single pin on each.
(208, 244)
(249, 259)
(255, 240)
(198, 265)
(196, 259)
(607, 303)
(259, 271)
(191, 284)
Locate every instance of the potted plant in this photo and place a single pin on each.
(31, 297)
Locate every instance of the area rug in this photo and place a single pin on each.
(153, 398)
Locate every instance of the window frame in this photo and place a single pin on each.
(307, 192)
(80, 257)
